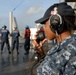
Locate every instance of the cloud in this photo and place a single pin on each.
(28, 16)
(33, 10)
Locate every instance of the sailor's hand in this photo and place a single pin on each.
(34, 43)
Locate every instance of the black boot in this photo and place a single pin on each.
(9, 51)
(17, 52)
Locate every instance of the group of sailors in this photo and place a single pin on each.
(4, 38)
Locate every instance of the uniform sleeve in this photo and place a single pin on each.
(18, 34)
(70, 68)
(25, 33)
(11, 34)
(59, 63)
(0, 31)
(8, 32)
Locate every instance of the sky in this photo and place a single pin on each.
(26, 11)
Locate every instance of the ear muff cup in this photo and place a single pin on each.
(56, 24)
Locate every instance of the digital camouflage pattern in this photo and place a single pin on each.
(60, 60)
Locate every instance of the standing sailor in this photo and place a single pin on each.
(4, 38)
(15, 39)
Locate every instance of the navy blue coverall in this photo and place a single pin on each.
(4, 39)
(27, 45)
(15, 40)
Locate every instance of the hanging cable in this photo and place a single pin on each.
(18, 5)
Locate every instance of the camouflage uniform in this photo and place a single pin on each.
(60, 60)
